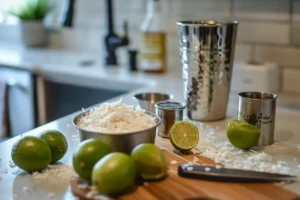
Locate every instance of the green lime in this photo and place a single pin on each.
(184, 135)
(57, 143)
(114, 173)
(87, 155)
(150, 160)
(242, 135)
(31, 154)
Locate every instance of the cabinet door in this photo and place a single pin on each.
(20, 95)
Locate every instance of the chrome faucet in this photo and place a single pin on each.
(111, 39)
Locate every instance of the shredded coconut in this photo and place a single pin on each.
(219, 149)
(11, 164)
(26, 190)
(116, 117)
(145, 184)
(15, 196)
(218, 166)
(51, 195)
(173, 162)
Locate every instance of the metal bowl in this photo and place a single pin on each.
(120, 142)
(148, 100)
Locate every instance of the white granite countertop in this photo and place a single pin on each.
(63, 67)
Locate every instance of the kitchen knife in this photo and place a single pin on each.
(231, 175)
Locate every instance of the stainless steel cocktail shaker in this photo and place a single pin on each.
(207, 54)
(259, 109)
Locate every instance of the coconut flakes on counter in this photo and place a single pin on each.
(173, 162)
(26, 190)
(11, 164)
(215, 146)
(54, 173)
(51, 195)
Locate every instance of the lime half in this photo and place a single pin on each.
(184, 135)
(242, 135)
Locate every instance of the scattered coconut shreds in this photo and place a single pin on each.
(218, 166)
(101, 197)
(172, 171)
(15, 196)
(83, 186)
(145, 183)
(173, 162)
(195, 160)
(219, 149)
(26, 190)
(54, 173)
(51, 195)
(11, 164)
(91, 194)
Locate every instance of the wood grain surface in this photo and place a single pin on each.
(174, 187)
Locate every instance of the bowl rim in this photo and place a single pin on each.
(157, 118)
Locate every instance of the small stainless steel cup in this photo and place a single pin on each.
(169, 112)
(207, 53)
(259, 109)
(148, 100)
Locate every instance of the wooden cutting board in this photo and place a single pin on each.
(175, 187)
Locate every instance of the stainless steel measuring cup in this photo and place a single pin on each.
(169, 112)
(259, 109)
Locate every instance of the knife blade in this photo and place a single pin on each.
(230, 175)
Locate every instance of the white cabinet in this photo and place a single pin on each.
(21, 110)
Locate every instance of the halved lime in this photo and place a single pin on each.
(242, 135)
(184, 135)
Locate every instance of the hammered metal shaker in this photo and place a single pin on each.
(207, 54)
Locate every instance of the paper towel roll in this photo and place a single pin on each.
(262, 77)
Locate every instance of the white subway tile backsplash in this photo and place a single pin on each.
(264, 32)
(197, 10)
(277, 10)
(291, 80)
(296, 11)
(284, 56)
(295, 36)
(200, 8)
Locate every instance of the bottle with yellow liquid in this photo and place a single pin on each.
(153, 39)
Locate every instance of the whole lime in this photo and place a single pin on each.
(242, 135)
(31, 154)
(151, 161)
(87, 155)
(57, 142)
(114, 173)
